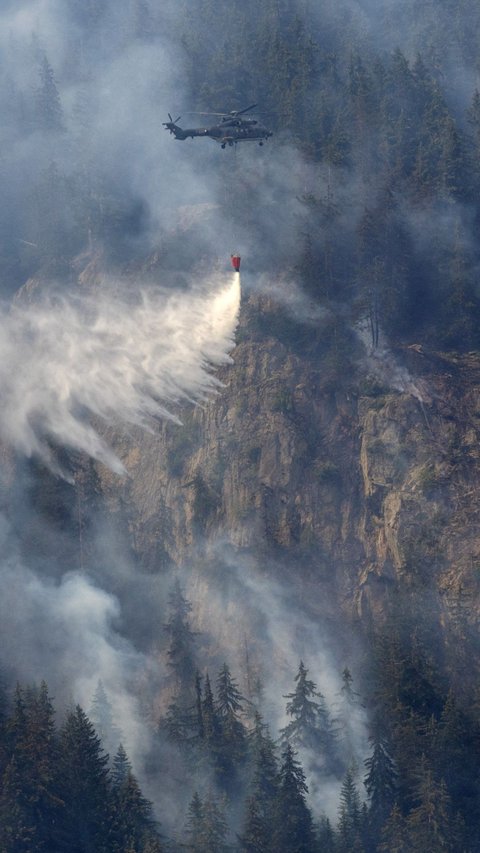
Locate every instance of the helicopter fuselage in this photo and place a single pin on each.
(228, 132)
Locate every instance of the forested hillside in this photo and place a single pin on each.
(257, 617)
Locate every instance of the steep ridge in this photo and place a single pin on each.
(325, 473)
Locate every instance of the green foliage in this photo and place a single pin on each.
(132, 822)
(181, 643)
(84, 782)
(310, 726)
(294, 831)
(206, 827)
(101, 715)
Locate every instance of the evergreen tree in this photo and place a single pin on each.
(84, 778)
(232, 746)
(347, 709)
(255, 837)
(132, 814)
(210, 716)
(30, 801)
(101, 715)
(214, 829)
(294, 831)
(380, 781)
(49, 108)
(394, 836)
(430, 824)
(350, 823)
(200, 728)
(17, 833)
(121, 767)
(310, 726)
(326, 836)
(194, 824)
(181, 645)
(454, 759)
(206, 827)
(259, 826)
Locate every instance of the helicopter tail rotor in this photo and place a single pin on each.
(171, 124)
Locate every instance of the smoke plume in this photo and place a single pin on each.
(69, 358)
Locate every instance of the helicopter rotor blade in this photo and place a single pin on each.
(231, 114)
(208, 114)
(240, 112)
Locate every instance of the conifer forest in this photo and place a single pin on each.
(239, 530)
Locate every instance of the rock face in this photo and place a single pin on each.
(353, 483)
(358, 475)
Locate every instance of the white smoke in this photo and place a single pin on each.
(381, 365)
(67, 358)
(64, 632)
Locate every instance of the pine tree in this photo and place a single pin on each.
(121, 767)
(206, 827)
(101, 715)
(84, 781)
(200, 728)
(310, 726)
(380, 781)
(454, 759)
(394, 836)
(210, 717)
(430, 824)
(132, 814)
(294, 831)
(214, 830)
(255, 838)
(17, 833)
(49, 108)
(232, 746)
(30, 803)
(181, 645)
(347, 707)
(349, 824)
(259, 826)
(194, 824)
(326, 836)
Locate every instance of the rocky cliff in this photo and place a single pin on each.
(361, 474)
(353, 476)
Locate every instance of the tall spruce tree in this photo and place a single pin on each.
(194, 824)
(84, 778)
(30, 799)
(101, 715)
(49, 108)
(259, 825)
(350, 816)
(430, 824)
(132, 814)
(294, 832)
(181, 645)
(206, 828)
(310, 726)
(381, 781)
(229, 708)
(394, 835)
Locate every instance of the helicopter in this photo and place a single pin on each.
(231, 128)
